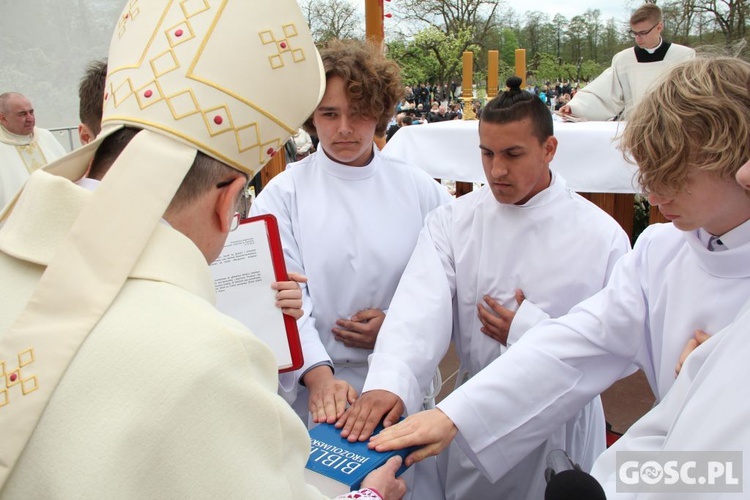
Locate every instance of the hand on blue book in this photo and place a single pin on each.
(431, 430)
(361, 418)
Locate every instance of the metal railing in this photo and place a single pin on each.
(67, 136)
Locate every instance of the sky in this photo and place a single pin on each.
(619, 9)
(569, 8)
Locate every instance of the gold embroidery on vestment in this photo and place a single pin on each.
(14, 377)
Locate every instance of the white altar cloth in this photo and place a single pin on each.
(587, 155)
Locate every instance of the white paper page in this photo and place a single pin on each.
(243, 274)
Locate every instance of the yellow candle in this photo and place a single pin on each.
(468, 69)
(374, 21)
(521, 66)
(492, 63)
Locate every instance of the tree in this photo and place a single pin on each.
(560, 24)
(545, 68)
(416, 66)
(534, 32)
(593, 30)
(677, 23)
(611, 41)
(729, 17)
(432, 55)
(576, 34)
(454, 16)
(508, 46)
(568, 71)
(329, 19)
(590, 70)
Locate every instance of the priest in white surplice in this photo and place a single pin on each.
(23, 147)
(524, 230)
(680, 277)
(633, 71)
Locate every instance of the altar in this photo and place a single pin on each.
(587, 155)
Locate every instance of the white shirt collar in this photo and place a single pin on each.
(731, 239)
(550, 193)
(88, 183)
(651, 51)
(8, 137)
(336, 169)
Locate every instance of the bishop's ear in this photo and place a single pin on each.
(226, 202)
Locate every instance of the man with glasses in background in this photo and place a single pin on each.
(619, 88)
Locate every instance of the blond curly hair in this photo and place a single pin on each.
(698, 117)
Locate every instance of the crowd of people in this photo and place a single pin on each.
(425, 93)
(554, 95)
(120, 379)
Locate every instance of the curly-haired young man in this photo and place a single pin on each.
(349, 218)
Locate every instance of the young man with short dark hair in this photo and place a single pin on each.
(487, 268)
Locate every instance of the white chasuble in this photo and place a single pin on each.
(21, 155)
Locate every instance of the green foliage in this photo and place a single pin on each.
(641, 215)
(590, 70)
(432, 55)
(556, 47)
(545, 68)
(569, 71)
(508, 46)
(415, 65)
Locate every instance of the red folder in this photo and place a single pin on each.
(253, 258)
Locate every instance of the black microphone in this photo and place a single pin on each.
(566, 480)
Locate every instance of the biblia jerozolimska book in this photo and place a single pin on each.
(336, 466)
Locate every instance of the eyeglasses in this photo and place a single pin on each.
(245, 199)
(235, 221)
(643, 33)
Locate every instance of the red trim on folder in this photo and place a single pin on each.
(279, 267)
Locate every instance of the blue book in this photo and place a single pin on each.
(336, 466)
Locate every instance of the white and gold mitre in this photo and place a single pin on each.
(233, 78)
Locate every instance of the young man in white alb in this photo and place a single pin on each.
(523, 238)
(349, 218)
